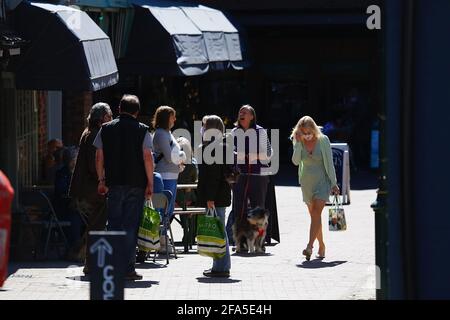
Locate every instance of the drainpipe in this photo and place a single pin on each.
(407, 159)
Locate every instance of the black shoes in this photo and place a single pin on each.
(86, 270)
(216, 274)
(141, 256)
(133, 276)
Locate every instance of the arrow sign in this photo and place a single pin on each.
(102, 247)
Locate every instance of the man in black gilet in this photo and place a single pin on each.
(124, 165)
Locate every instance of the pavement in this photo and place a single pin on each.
(347, 272)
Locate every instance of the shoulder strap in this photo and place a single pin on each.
(161, 155)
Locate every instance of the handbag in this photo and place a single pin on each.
(148, 234)
(336, 216)
(210, 235)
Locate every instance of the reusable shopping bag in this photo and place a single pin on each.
(336, 216)
(148, 234)
(210, 235)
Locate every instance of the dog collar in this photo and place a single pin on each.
(260, 232)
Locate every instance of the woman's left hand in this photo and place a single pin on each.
(210, 204)
(335, 190)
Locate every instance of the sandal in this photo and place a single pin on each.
(307, 252)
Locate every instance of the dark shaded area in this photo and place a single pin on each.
(79, 278)
(217, 280)
(319, 264)
(150, 265)
(140, 284)
(251, 255)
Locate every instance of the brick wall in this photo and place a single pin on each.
(42, 123)
(76, 107)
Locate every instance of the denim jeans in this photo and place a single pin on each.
(170, 185)
(223, 264)
(158, 184)
(125, 206)
(229, 228)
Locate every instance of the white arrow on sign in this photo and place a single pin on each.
(102, 247)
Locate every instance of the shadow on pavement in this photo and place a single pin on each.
(150, 265)
(128, 284)
(271, 244)
(79, 278)
(250, 255)
(217, 280)
(140, 284)
(318, 264)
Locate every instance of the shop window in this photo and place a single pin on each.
(116, 23)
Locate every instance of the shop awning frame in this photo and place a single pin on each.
(180, 38)
(67, 50)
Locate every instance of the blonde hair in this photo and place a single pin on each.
(185, 145)
(309, 123)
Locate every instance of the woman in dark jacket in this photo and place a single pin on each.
(84, 184)
(214, 192)
(252, 158)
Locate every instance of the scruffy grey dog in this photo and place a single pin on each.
(251, 231)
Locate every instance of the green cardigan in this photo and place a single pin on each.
(327, 155)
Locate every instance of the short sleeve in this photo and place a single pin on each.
(148, 141)
(98, 142)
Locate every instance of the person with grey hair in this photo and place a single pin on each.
(99, 114)
(83, 187)
(213, 190)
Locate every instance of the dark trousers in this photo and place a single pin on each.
(249, 188)
(125, 206)
(93, 213)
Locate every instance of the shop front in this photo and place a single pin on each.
(64, 51)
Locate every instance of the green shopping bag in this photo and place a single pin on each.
(210, 235)
(148, 234)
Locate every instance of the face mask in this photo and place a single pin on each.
(308, 137)
(202, 131)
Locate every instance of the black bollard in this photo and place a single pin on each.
(107, 265)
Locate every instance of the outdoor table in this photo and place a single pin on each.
(188, 216)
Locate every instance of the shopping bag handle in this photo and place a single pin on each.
(336, 202)
(148, 203)
(211, 212)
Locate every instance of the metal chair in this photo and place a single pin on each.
(37, 198)
(161, 201)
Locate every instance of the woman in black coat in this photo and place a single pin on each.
(214, 192)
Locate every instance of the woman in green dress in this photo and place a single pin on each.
(313, 155)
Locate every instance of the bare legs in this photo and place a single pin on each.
(315, 232)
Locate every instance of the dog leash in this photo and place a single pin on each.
(245, 192)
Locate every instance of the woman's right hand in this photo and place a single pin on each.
(298, 136)
(210, 204)
(335, 190)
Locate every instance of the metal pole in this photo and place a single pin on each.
(407, 159)
(379, 206)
